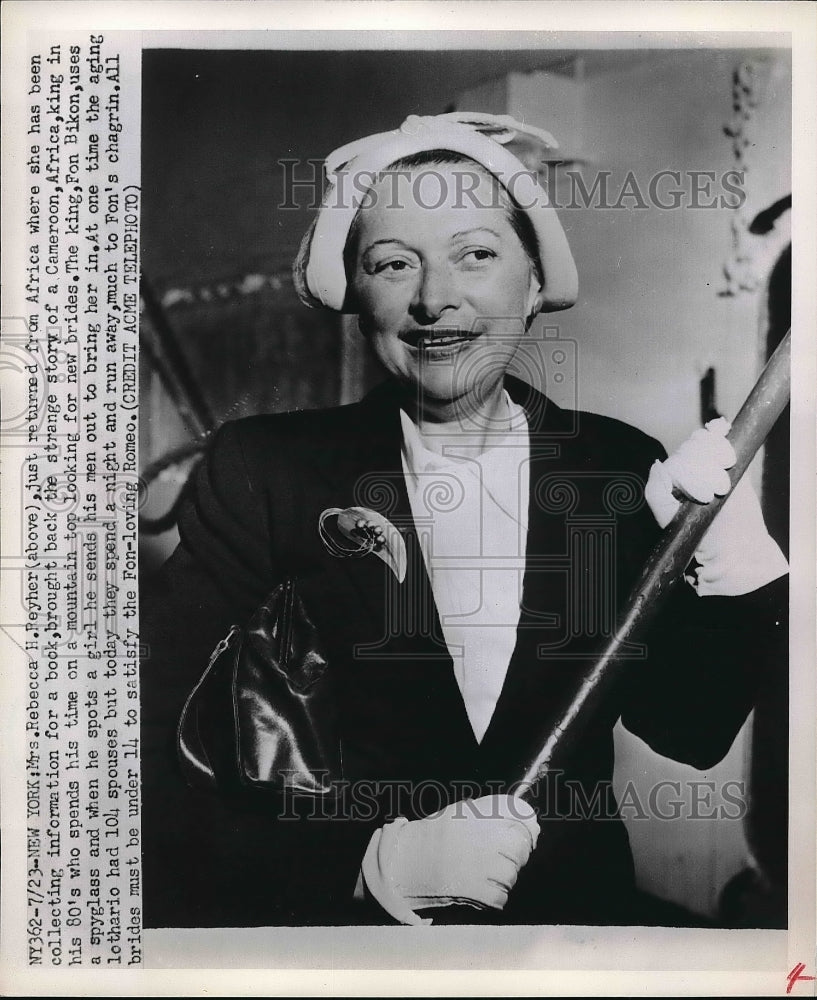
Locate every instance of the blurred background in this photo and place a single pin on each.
(678, 308)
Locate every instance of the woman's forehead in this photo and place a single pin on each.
(446, 200)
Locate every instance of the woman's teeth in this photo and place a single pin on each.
(432, 341)
(438, 340)
(443, 341)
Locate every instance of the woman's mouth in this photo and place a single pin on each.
(438, 341)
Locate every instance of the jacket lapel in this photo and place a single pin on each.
(366, 471)
(534, 678)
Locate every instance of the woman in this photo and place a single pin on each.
(456, 650)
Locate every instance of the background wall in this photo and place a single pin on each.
(652, 317)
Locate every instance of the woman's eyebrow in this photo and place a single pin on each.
(476, 229)
(385, 240)
(462, 234)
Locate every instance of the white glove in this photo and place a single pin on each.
(468, 853)
(737, 554)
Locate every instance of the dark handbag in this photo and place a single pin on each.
(264, 714)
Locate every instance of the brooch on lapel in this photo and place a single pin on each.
(369, 531)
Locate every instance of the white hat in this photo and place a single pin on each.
(319, 273)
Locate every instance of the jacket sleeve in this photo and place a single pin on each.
(707, 662)
(704, 660)
(210, 861)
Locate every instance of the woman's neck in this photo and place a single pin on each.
(442, 423)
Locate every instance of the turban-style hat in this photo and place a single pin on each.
(319, 273)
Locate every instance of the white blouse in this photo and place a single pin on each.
(470, 508)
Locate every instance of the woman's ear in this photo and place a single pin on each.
(534, 297)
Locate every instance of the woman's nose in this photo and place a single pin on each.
(436, 293)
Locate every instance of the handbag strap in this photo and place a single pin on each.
(193, 757)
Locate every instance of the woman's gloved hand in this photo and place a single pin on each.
(737, 554)
(468, 853)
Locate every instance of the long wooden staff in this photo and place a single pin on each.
(666, 564)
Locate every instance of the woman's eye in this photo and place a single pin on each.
(391, 266)
(478, 255)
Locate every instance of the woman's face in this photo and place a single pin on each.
(442, 284)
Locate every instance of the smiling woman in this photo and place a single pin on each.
(509, 532)
(442, 290)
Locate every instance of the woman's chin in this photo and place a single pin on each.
(449, 391)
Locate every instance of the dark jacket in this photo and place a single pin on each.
(408, 748)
